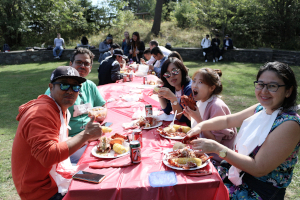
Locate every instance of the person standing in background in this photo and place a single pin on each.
(59, 44)
(215, 43)
(205, 43)
(137, 48)
(126, 43)
(105, 46)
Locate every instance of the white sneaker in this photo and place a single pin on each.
(57, 57)
(204, 53)
(214, 60)
(205, 60)
(220, 58)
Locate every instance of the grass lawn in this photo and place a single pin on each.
(21, 83)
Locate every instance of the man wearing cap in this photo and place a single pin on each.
(89, 96)
(109, 69)
(41, 147)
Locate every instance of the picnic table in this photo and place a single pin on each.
(132, 182)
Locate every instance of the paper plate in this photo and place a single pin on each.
(165, 161)
(111, 154)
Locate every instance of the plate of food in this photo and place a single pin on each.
(111, 147)
(185, 159)
(177, 132)
(148, 122)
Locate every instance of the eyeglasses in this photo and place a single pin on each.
(272, 87)
(86, 64)
(66, 87)
(174, 71)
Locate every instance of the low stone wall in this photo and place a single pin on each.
(21, 57)
(238, 55)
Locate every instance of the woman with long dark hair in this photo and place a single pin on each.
(176, 83)
(126, 43)
(137, 48)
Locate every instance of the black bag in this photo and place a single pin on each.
(49, 47)
(6, 47)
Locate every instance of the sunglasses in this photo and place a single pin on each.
(174, 72)
(80, 63)
(66, 87)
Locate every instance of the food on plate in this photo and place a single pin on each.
(188, 101)
(117, 135)
(175, 130)
(151, 83)
(186, 162)
(186, 158)
(180, 128)
(106, 129)
(116, 141)
(169, 129)
(178, 145)
(156, 89)
(99, 113)
(147, 122)
(120, 149)
(104, 145)
(187, 139)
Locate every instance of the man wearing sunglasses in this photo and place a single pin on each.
(159, 57)
(41, 147)
(89, 96)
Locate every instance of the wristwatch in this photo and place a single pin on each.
(174, 103)
(223, 152)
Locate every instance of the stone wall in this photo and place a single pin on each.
(238, 55)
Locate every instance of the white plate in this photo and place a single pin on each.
(111, 154)
(146, 86)
(157, 125)
(172, 138)
(165, 161)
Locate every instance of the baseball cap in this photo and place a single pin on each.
(119, 52)
(66, 71)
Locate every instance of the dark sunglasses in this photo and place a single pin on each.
(174, 71)
(66, 87)
(80, 63)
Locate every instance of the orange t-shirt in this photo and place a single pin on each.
(36, 149)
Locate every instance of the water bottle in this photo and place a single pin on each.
(130, 61)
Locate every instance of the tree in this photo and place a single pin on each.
(157, 17)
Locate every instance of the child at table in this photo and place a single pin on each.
(206, 85)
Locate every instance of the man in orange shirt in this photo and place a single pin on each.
(41, 146)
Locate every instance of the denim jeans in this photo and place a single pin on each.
(76, 156)
(61, 49)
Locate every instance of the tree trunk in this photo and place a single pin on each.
(157, 17)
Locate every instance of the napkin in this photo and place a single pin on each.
(165, 117)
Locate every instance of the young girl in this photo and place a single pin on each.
(206, 85)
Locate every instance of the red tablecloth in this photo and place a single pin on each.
(132, 182)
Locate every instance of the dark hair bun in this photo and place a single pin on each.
(218, 71)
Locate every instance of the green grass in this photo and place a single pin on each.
(21, 83)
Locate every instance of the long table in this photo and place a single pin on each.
(132, 182)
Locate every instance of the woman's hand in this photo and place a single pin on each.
(206, 145)
(194, 131)
(166, 93)
(130, 51)
(137, 51)
(194, 114)
(143, 61)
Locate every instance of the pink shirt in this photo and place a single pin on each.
(215, 108)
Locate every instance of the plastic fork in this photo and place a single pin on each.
(171, 125)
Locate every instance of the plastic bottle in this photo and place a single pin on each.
(130, 61)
